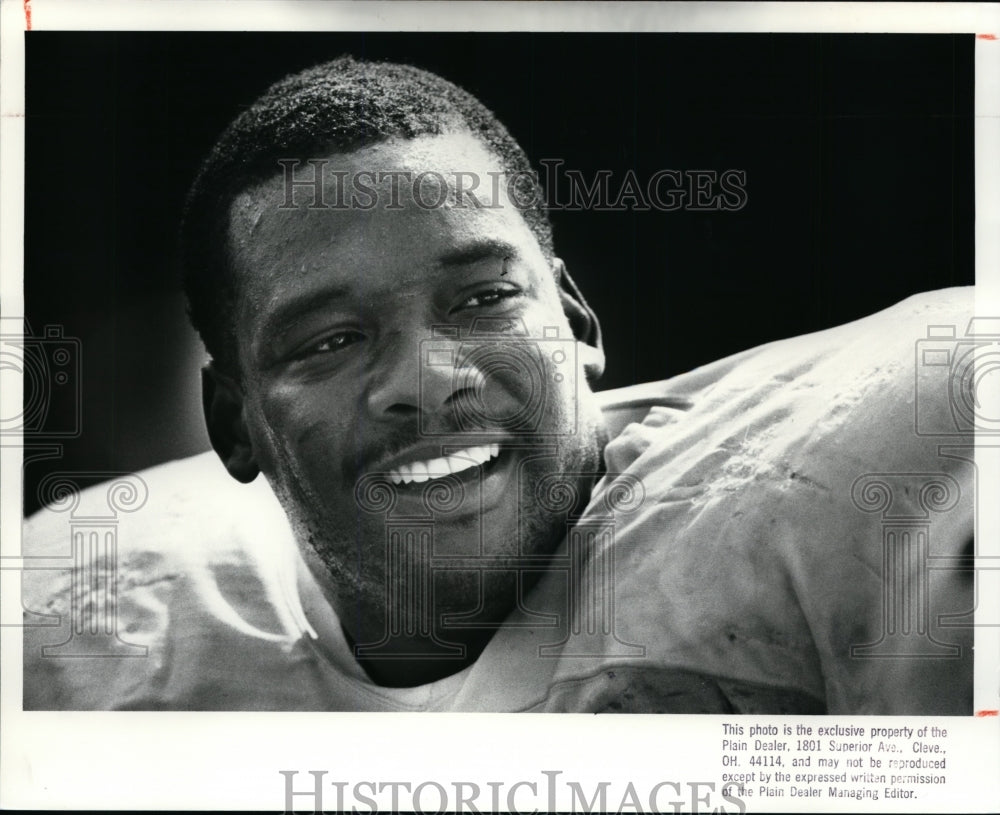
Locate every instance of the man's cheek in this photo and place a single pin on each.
(294, 436)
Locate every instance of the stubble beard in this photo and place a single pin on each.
(350, 567)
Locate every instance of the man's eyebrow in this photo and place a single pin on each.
(298, 306)
(476, 251)
(289, 312)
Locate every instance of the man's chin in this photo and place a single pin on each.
(504, 516)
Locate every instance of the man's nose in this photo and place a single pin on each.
(418, 374)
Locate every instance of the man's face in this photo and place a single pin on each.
(348, 387)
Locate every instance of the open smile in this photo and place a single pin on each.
(486, 475)
(459, 461)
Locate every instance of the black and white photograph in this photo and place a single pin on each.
(639, 371)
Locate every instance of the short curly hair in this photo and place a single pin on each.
(342, 105)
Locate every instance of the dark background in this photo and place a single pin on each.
(858, 151)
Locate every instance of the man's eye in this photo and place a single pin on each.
(489, 298)
(330, 343)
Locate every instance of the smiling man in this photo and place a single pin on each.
(460, 522)
(333, 308)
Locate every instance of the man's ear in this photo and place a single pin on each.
(223, 401)
(582, 320)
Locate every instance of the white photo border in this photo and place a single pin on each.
(233, 761)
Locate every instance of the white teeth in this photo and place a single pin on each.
(461, 461)
(438, 467)
(421, 471)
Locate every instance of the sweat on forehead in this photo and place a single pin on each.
(442, 171)
(413, 214)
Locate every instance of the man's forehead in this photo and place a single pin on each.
(279, 245)
(447, 188)
(399, 170)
